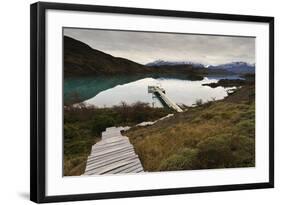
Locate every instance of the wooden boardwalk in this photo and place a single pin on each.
(113, 154)
(160, 92)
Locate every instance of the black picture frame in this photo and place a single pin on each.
(38, 100)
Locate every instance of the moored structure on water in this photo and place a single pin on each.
(161, 94)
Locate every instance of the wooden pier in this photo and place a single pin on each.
(160, 92)
(114, 154)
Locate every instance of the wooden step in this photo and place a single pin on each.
(109, 150)
(114, 154)
(112, 166)
(111, 153)
(108, 146)
(91, 161)
(104, 163)
(125, 168)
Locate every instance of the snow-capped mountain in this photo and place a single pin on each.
(236, 67)
(158, 63)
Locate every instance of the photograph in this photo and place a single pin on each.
(148, 101)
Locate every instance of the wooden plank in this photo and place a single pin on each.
(114, 128)
(123, 168)
(108, 158)
(114, 139)
(112, 153)
(110, 128)
(112, 166)
(110, 147)
(105, 170)
(108, 154)
(117, 148)
(127, 154)
(104, 137)
(104, 163)
(106, 142)
(111, 134)
(134, 169)
(106, 146)
(116, 131)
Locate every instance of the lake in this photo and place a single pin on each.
(108, 91)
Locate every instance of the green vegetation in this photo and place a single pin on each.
(218, 134)
(83, 126)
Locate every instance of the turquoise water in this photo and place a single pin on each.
(107, 91)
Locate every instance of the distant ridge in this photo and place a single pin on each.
(236, 67)
(159, 63)
(233, 67)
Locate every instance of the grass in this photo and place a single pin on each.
(214, 135)
(83, 126)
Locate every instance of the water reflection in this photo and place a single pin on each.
(179, 90)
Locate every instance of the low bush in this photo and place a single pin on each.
(101, 122)
(199, 102)
(185, 159)
(243, 151)
(215, 152)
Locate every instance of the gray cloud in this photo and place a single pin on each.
(144, 47)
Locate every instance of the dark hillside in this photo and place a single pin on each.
(81, 59)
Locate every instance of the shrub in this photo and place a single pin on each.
(246, 127)
(226, 115)
(214, 152)
(74, 166)
(72, 98)
(243, 150)
(70, 131)
(207, 115)
(199, 102)
(183, 160)
(101, 122)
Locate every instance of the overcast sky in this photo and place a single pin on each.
(145, 47)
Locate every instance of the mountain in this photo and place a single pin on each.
(160, 63)
(81, 59)
(236, 67)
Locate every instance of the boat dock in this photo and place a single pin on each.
(160, 92)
